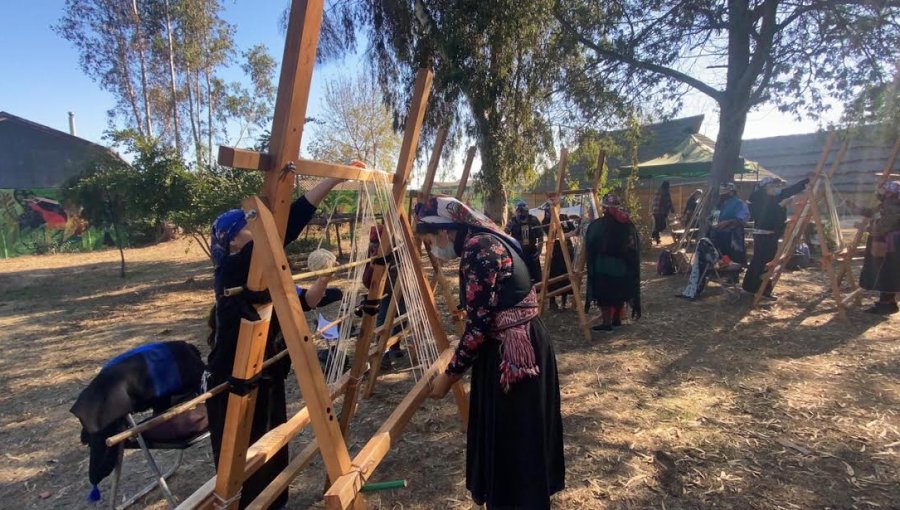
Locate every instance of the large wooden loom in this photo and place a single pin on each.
(267, 219)
(819, 192)
(575, 270)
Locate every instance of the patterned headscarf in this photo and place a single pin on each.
(613, 205)
(226, 226)
(450, 213)
(890, 189)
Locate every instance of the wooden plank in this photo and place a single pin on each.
(262, 450)
(464, 180)
(297, 62)
(345, 488)
(360, 356)
(350, 173)
(298, 337)
(244, 159)
(411, 133)
(433, 163)
(281, 482)
(249, 353)
(434, 322)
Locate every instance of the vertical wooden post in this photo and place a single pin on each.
(287, 129)
(464, 179)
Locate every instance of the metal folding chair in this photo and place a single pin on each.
(146, 445)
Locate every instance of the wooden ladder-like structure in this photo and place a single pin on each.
(575, 269)
(807, 211)
(846, 256)
(267, 219)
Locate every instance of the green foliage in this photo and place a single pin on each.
(209, 194)
(496, 64)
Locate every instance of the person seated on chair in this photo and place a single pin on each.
(613, 264)
(232, 246)
(769, 215)
(881, 266)
(726, 226)
(525, 228)
(660, 208)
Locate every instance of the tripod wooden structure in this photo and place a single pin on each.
(267, 219)
(575, 269)
(818, 192)
(846, 256)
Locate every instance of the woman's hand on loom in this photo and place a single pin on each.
(441, 384)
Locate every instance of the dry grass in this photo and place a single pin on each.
(698, 405)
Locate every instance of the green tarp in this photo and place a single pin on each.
(689, 160)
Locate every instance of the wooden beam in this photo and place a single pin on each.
(262, 450)
(244, 159)
(433, 163)
(251, 348)
(281, 482)
(347, 172)
(345, 489)
(411, 133)
(467, 168)
(268, 248)
(297, 64)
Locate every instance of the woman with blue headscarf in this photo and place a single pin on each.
(232, 247)
(514, 449)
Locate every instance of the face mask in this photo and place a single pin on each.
(446, 253)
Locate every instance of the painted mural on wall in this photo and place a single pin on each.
(37, 221)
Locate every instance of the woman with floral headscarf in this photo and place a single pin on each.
(881, 266)
(613, 264)
(232, 247)
(514, 449)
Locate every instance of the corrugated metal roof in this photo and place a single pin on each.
(794, 156)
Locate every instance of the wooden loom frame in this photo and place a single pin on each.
(269, 269)
(574, 269)
(808, 210)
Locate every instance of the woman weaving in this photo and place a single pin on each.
(514, 452)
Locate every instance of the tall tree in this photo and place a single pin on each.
(495, 63)
(799, 55)
(355, 124)
(109, 38)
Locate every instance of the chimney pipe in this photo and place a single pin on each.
(72, 124)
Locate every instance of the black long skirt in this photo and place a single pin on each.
(514, 453)
(765, 247)
(881, 273)
(271, 411)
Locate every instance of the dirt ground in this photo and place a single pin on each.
(698, 405)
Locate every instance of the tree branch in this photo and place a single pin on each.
(710, 91)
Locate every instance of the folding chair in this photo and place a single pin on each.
(146, 445)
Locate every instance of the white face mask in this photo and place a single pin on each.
(446, 253)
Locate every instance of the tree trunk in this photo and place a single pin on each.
(139, 36)
(121, 249)
(192, 109)
(495, 198)
(209, 118)
(172, 79)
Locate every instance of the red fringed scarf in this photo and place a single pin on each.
(512, 328)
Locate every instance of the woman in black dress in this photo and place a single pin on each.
(232, 248)
(514, 450)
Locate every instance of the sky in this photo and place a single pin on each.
(44, 81)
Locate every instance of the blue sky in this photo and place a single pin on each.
(43, 80)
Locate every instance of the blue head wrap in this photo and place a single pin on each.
(226, 226)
